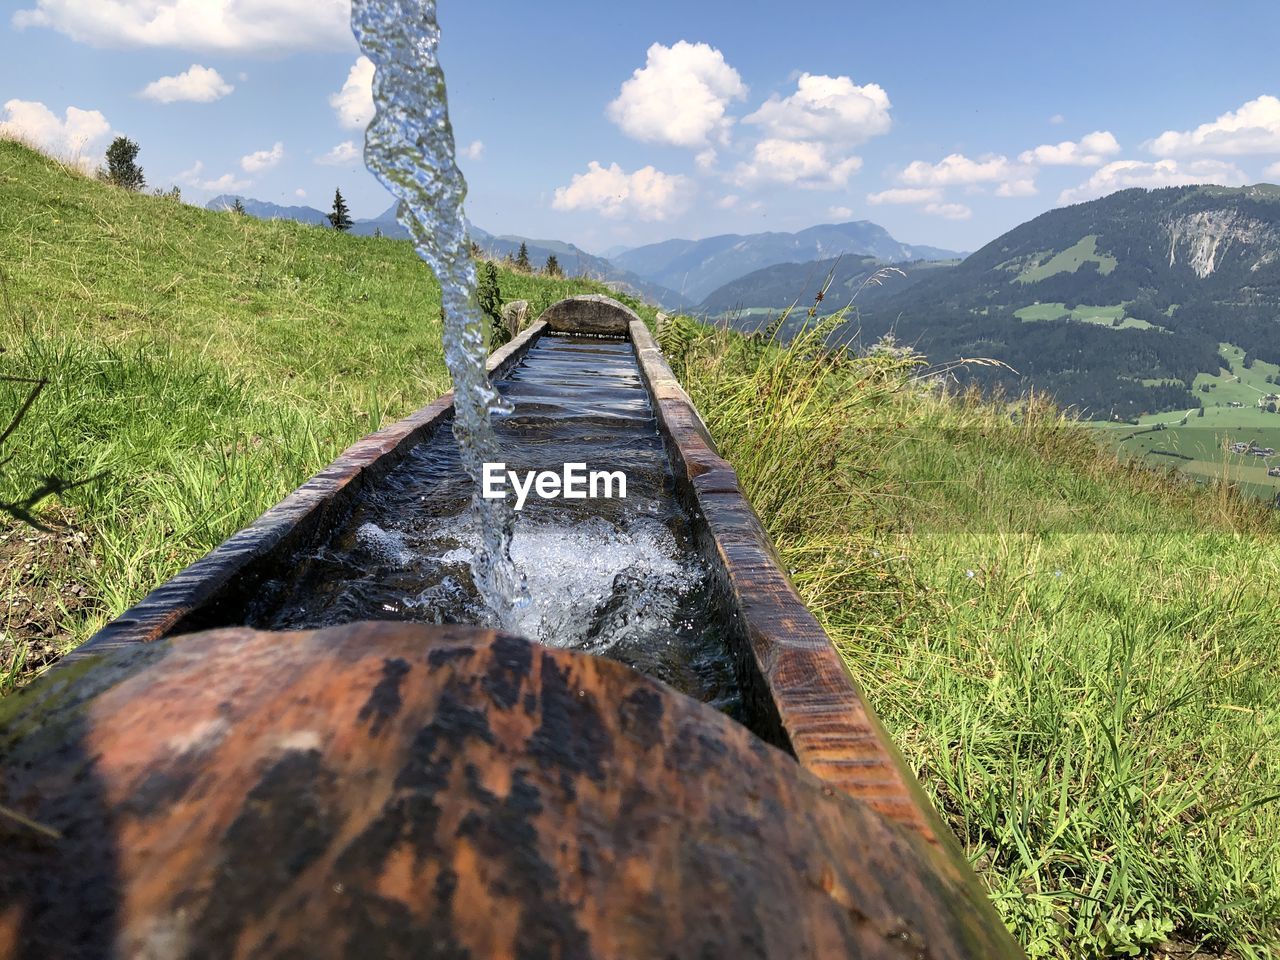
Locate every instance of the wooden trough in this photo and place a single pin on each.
(185, 786)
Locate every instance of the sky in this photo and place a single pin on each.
(617, 124)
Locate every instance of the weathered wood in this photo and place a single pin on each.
(589, 314)
(795, 672)
(396, 790)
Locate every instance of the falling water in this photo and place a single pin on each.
(409, 147)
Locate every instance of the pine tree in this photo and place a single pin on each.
(552, 269)
(238, 206)
(340, 218)
(522, 258)
(122, 168)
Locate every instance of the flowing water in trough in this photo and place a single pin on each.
(618, 577)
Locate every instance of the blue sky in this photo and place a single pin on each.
(618, 124)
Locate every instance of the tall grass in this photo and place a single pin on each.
(1074, 653)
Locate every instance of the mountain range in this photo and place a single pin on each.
(1114, 305)
(674, 274)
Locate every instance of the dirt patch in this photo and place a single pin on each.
(45, 582)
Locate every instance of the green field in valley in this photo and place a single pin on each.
(1199, 446)
(1101, 316)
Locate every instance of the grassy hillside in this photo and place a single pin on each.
(203, 364)
(1076, 654)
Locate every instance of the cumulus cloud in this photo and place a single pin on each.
(949, 211)
(957, 169)
(679, 97)
(344, 153)
(227, 183)
(300, 194)
(799, 163)
(1020, 187)
(1254, 128)
(646, 194)
(905, 195)
(840, 213)
(225, 26)
(1091, 150)
(826, 109)
(72, 137)
(1272, 172)
(1123, 174)
(262, 159)
(197, 85)
(1057, 119)
(728, 202)
(354, 102)
(474, 150)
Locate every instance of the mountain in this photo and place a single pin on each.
(268, 211)
(697, 267)
(1113, 305)
(775, 288)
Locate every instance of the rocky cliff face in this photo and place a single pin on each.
(1203, 239)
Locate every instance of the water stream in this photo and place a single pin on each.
(409, 147)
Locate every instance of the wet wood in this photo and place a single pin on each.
(395, 790)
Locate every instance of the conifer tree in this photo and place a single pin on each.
(340, 218)
(238, 206)
(522, 258)
(122, 168)
(552, 269)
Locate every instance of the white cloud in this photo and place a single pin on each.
(950, 211)
(1254, 128)
(354, 102)
(225, 26)
(646, 194)
(1019, 187)
(840, 213)
(679, 97)
(344, 153)
(1123, 174)
(826, 109)
(1057, 119)
(1273, 171)
(300, 194)
(1091, 150)
(728, 202)
(799, 163)
(705, 160)
(905, 195)
(957, 168)
(72, 138)
(474, 150)
(262, 159)
(197, 85)
(227, 183)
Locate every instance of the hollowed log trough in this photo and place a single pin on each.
(185, 786)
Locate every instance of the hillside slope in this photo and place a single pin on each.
(1114, 305)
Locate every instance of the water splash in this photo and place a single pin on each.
(409, 147)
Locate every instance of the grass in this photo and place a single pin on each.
(1074, 653)
(1101, 316)
(203, 363)
(1069, 261)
